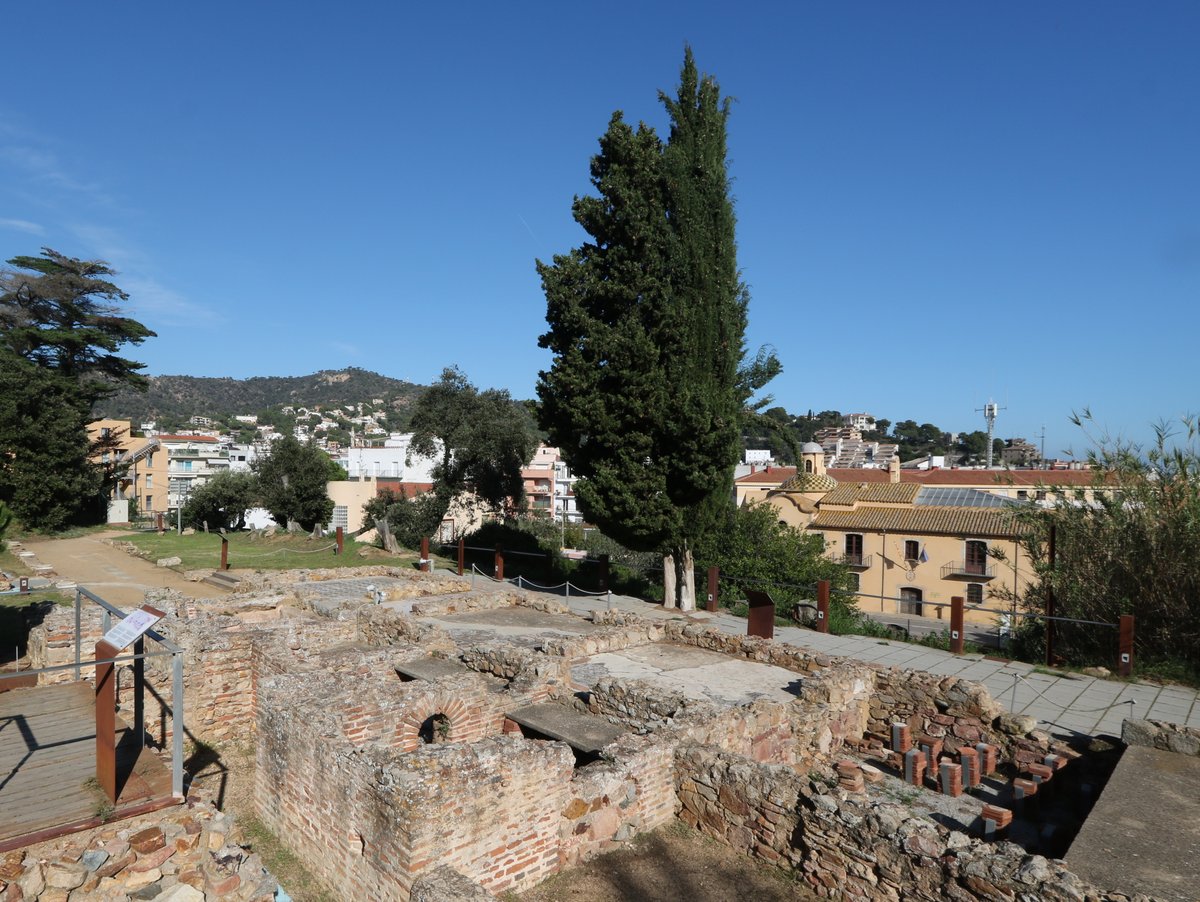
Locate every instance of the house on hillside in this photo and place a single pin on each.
(141, 465)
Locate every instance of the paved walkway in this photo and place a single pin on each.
(1064, 703)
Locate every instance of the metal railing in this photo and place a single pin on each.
(968, 569)
(169, 648)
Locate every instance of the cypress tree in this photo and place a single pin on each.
(647, 324)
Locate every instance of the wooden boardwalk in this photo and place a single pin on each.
(48, 765)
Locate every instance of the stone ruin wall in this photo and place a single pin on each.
(854, 846)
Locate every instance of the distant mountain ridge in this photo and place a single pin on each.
(217, 397)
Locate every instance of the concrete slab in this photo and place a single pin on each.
(429, 669)
(693, 672)
(581, 732)
(1143, 835)
(518, 625)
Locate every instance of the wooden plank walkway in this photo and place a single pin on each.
(48, 762)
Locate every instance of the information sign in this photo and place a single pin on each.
(135, 624)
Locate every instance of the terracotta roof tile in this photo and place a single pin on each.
(947, 521)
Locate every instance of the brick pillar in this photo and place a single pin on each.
(995, 820)
(969, 759)
(914, 767)
(823, 606)
(932, 749)
(956, 624)
(987, 758)
(950, 782)
(901, 738)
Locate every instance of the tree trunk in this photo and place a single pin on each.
(668, 581)
(386, 537)
(687, 584)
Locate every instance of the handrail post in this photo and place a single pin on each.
(177, 725)
(823, 606)
(1125, 654)
(714, 582)
(499, 563)
(78, 635)
(956, 624)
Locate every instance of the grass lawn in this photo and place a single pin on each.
(202, 551)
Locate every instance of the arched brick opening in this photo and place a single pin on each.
(429, 720)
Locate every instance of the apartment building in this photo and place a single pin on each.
(141, 465)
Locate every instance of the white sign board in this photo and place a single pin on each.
(135, 624)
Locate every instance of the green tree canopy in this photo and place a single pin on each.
(480, 440)
(222, 502)
(292, 481)
(649, 386)
(60, 331)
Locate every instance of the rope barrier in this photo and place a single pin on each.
(253, 556)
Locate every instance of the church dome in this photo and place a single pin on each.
(812, 448)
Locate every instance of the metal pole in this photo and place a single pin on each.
(461, 560)
(714, 582)
(78, 637)
(1125, 659)
(1050, 605)
(823, 606)
(956, 624)
(177, 725)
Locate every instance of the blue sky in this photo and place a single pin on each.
(937, 202)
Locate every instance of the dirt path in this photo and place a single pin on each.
(111, 573)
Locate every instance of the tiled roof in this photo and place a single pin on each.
(769, 476)
(981, 478)
(189, 438)
(872, 492)
(947, 521)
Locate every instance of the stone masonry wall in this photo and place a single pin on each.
(1158, 734)
(857, 847)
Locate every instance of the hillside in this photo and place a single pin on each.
(179, 397)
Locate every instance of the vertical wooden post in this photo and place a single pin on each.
(224, 553)
(761, 618)
(424, 554)
(1051, 629)
(462, 555)
(1125, 658)
(106, 720)
(714, 584)
(139, 686)
(341, 541)
(604, 573)
(499, 562)
(823, 606)
(956, 625)
(160, 523)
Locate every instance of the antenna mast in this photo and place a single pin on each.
(990, 409)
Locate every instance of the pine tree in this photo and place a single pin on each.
(647, 390)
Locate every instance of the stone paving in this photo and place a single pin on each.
(1063, 703)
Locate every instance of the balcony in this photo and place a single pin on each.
(968, 570)
(857, 561)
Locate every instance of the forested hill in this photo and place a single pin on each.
(179, 397)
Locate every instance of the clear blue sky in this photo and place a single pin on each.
(937, 202)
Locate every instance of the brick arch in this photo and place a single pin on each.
(408, 730)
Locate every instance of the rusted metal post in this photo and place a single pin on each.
(161, 528)
(462, 555)
(106, 720)
(823, 606)
(499, 562)
(341, 541)
(224, 553)
(23, 585)
(714, 583)
(1125, 660)
(603, 573)
(424, 555)
(956, 624)
(761, 619)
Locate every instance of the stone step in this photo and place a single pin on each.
(222, 579)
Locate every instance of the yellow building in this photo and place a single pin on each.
(912, 547)
(141, 464)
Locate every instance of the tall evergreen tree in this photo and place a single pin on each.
(647, 390)
(60, 330)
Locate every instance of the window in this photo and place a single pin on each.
(1041, 495)
(912, 550)
(1022, 495)
(149, 505)
(974, 593)
(808, 466)
(976, 557)
(854, 548)
(341, 517)
(855, 582)
(149, 480)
